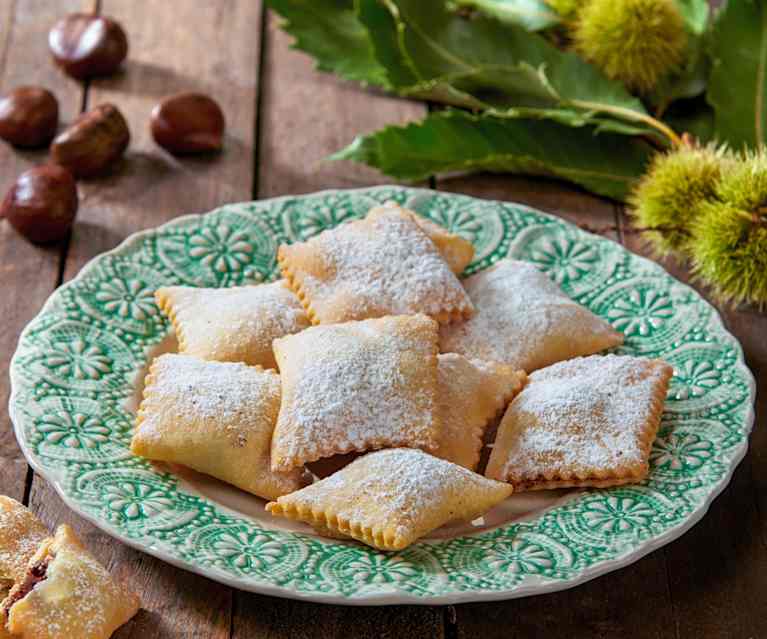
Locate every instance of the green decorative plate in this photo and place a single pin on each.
(79, 365)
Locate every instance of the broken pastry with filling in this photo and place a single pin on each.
(356, 386)
(215, 417)
(525, 320)
(390, 498)
(232, 324)
(67, 593)
(382, 265)
(21, 534)
(590, 421)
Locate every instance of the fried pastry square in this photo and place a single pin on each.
(382, 265)
(470, 393)
(214, 417)
(523, 319)
(457, 251)
(67, 593)
(590, 421)
(356, 386)
(232, 324)
(390, 498)
(21, 534)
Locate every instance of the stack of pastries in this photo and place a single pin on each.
(357, 393)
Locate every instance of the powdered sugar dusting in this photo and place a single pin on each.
(522, 318)
(220, 393)
(382, 265)
(457, 251)
(236, 324)
(583, 415)
(401, 490)
(349, 386)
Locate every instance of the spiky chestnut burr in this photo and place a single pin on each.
(637, 42)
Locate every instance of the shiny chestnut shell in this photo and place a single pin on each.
(188, 123)
(42, 203)
(28, 116)
(84, 45)
(93, 142)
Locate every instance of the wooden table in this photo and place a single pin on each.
(283, 119)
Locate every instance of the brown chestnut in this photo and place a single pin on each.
(92, 142)
(188, 123)
(28, 116)
(42, 203)
(84, 45)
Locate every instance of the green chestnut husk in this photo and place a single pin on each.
(637, 42)
(669, 196)
(729, 237)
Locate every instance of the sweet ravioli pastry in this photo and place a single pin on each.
(589, 421)
(523, 319)
(232, 324)
(383, 265)
(66, 593)
(356, 386)
(390, 498)
(214, 417)
(470, 393)
(457, 251)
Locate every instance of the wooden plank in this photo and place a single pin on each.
(28, 273)
(306, 116)
(631, 603)
(717, 570)
(180, 46)
(270, 618)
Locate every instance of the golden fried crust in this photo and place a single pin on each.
(215, 417)
(232, 324)
(523, 319)
(382, 265)
(590, 421)
(390, 498)
(77, 597)
(470, 393)
(356, 386)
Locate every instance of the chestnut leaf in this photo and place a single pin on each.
(457, 141)
(737, 88)
(431, 53)
(330, 32)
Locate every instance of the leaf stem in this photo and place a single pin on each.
(628, 114)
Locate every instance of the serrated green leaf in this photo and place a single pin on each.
(452, 140)
(503, 69)
(738, 81)
(533, 15)
(330, 32)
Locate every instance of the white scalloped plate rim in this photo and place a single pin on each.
(627, 558)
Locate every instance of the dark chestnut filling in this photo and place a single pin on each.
(37, 573)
